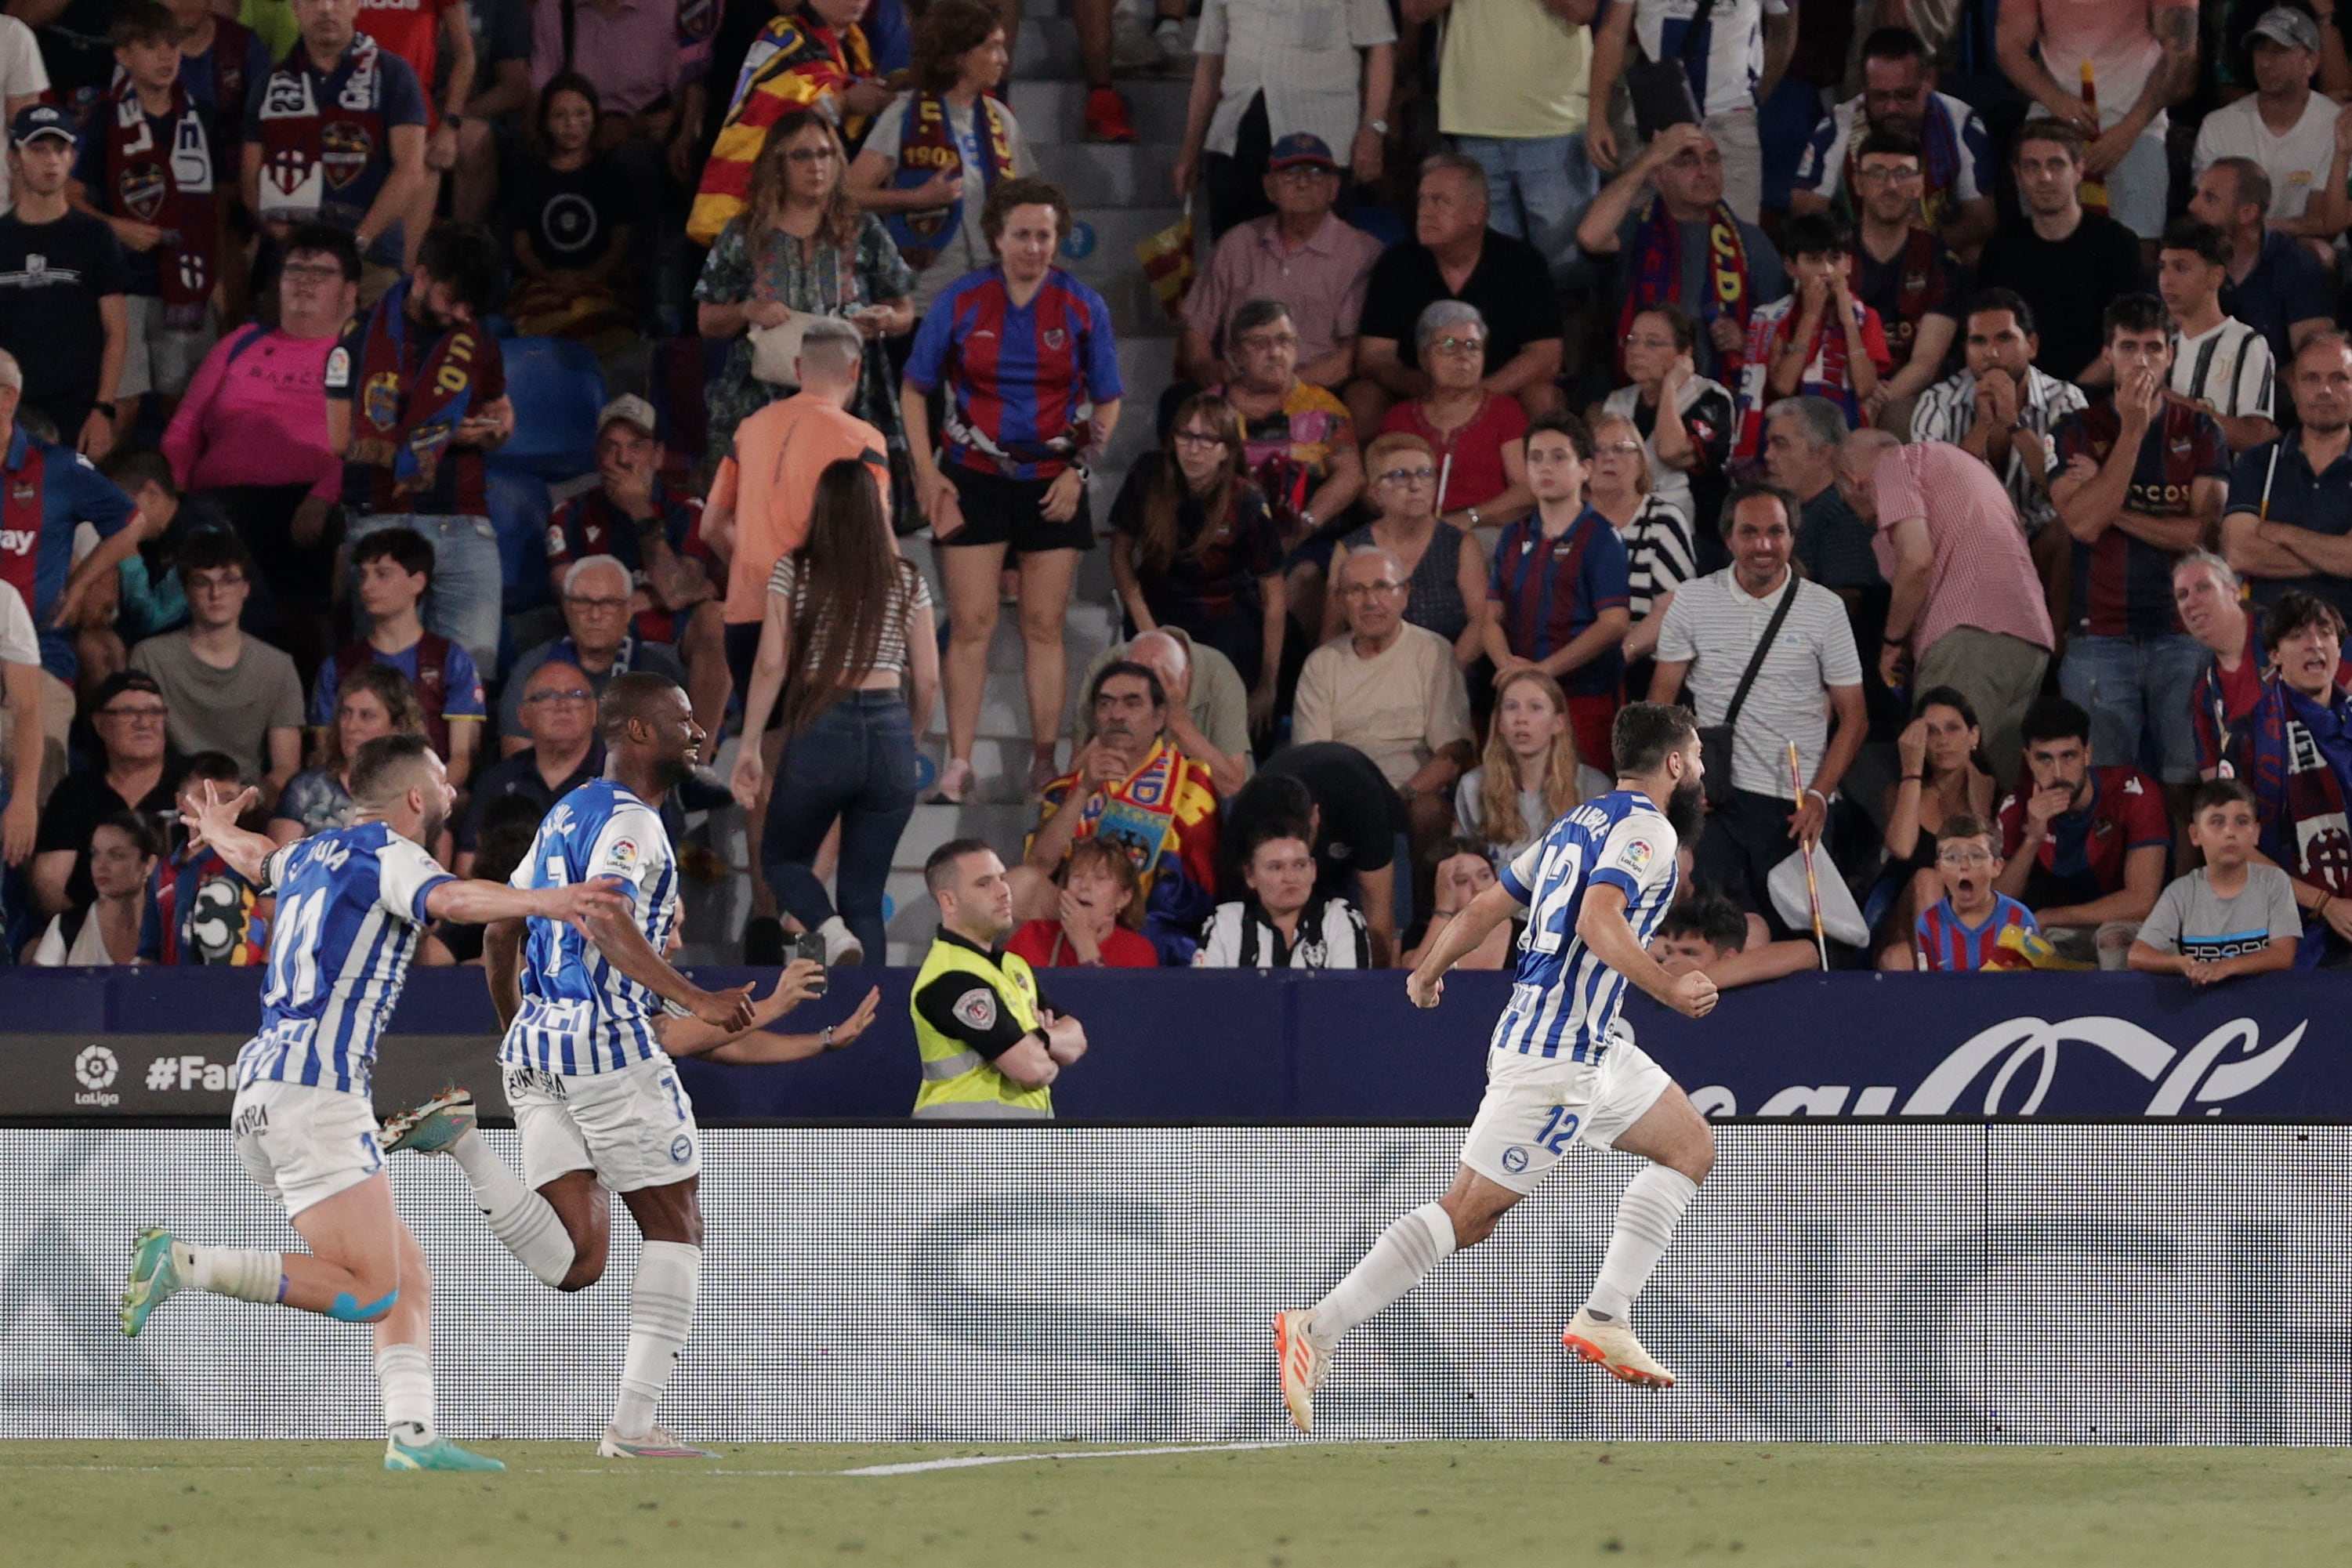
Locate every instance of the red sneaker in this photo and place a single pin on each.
(1107, 117)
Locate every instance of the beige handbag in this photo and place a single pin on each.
(776, 351)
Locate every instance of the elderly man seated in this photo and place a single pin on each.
(1208, 708)
(1392, 690)
(598, 599)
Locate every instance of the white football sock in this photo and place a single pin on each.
(405, 1373)
(661, 1315)
(526, 1223)
(239, 1271)
(1646, 1217)
(1400, 1260)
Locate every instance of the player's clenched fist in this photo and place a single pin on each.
(1693, 995)
(1425, 993)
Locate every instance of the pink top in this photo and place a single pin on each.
(1982, 575)
(259, 420)
(1469, 457)
(2117, 36)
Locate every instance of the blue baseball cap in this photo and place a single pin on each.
(38, 121)
(1301, 149)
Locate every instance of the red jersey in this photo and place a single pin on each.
(2081, 856)
(411, 30)
(1041, 942)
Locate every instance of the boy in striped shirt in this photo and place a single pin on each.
(1961, 931)
(2220, 366)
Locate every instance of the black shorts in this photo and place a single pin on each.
(742, 652)
(1001, 511)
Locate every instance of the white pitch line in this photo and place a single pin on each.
(917, 1468)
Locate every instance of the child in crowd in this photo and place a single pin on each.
(200, 910)
(2230, 916)
(1821, 342)
(1963, 930)
(1706, 933)
(395, 571)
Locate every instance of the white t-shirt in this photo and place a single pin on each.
(1727, 65)
(2297, 161)
(22, 75)
(20, 643)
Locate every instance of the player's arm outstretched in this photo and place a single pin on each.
(1603, 929)
(1490, 908)
(213, 823)
(623, 945)
(760, 1045)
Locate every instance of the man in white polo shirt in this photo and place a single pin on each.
(2283, 126)
(1711, 635)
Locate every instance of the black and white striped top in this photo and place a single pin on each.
(1658, 554)
(2230, 370)
(1331, 936)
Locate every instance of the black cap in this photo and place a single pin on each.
(123, 681)
(38, 121)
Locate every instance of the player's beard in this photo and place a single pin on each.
(670, 772)
(1686, 807)
(431, 827)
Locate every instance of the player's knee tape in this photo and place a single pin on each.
(345, 1309)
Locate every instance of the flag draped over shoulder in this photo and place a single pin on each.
(795, 62)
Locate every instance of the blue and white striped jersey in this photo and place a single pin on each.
(351, 913)
(1564, 999)
(580, 1015)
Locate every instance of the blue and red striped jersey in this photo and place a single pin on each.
(1951, 944)
(2123, 585)
(1017, 375)
(48, 490)
(1551, 589)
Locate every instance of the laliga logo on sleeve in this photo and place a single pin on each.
(2197, 1072)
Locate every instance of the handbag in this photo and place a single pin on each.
(1660, 91)
(1715, 739)
(776, 351)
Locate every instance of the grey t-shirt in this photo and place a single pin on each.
(231, 710)
(2191, 920)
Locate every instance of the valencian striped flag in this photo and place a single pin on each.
(1168, 265)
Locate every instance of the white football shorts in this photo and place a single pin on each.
(1536, 1110)
(633, 1128)
(304, 1143)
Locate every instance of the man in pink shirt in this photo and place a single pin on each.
(2142, 56)
(1967, 609)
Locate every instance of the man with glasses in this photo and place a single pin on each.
(225, 692)
(1899, 98)
(1903, 271)
(134, 772)
(395, 573)
(597, 642)
(1393, 691)
(1304, 255)
(1961, 931)
(563, 751)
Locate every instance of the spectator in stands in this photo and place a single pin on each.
(1511, 94)
(66, 320)
(1684, 420)
(1964, 610)
(105, 929)
(432, 38)
(1659, 553)
(1208, 707)
(2220, 366)
(508, 831)
(2276, 287)
(2144, 479)
(2001, 407)
(24, 79)
(76, 60)
(1556, 596)
(2141, 56)
(811, 57)
(1903, 272)
(1532, 772)
(1111, 37)
(596, 598)
(1283, 924)
(574, 220)
(416, 394)
(1391, 689)
(1818, 342)
(1193, 546)
(2228, 917)
(148, 155)
(199, 909)
(1963, 930)
(1454, 255)
(1460, 872)
(1801, 435)
(1953, 177)
(1445, 579)
(2283, 126)
(227, 692)
(1303, 256)
(1472, 433)
(1703, 934)
(559, 715)
(1807, 671)
(502, 99)
(1261, 75)
(2212, 606)
(1361, 850)
(134, 772)
(2289, 510)
(1733, 56)
(2064, 262)
(849, 621)
(1009, 476)
(1943, 776)
(224, 62)
(395, 573)
(375, 699)
(26, 739)
(251, 435)
(2295, 751)
(932, 157)
(1131, 787)
(1099, 921)
(146, 596)
(653, 528)
(647, 89)
(2085, 847)
(799, 249)
(299, 167)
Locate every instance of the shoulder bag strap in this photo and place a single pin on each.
(1763, 646)
(1698, 19)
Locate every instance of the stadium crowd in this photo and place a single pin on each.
(1951, 410)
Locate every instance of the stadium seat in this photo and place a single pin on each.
(558, 388)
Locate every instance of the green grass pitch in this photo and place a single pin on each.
(1295, 1505)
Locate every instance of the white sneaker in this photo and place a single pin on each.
(1132, 46)
(658, 1443)
(1611, 1345)
(1304, 1363)
(1168, 37)
(841, 946)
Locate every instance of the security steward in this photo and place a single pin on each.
(991, 1043)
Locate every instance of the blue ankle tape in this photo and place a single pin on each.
(347, 1310)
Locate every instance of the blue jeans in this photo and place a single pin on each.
(2137, 690)
(1539, 187)
(463, 604)
(856, 762)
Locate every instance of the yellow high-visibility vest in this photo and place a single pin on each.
(959, 1084)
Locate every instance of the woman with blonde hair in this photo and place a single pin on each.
(1531, 775)
(1659, 555)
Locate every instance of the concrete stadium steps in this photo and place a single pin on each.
(1104, 174)
(1057, 111)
